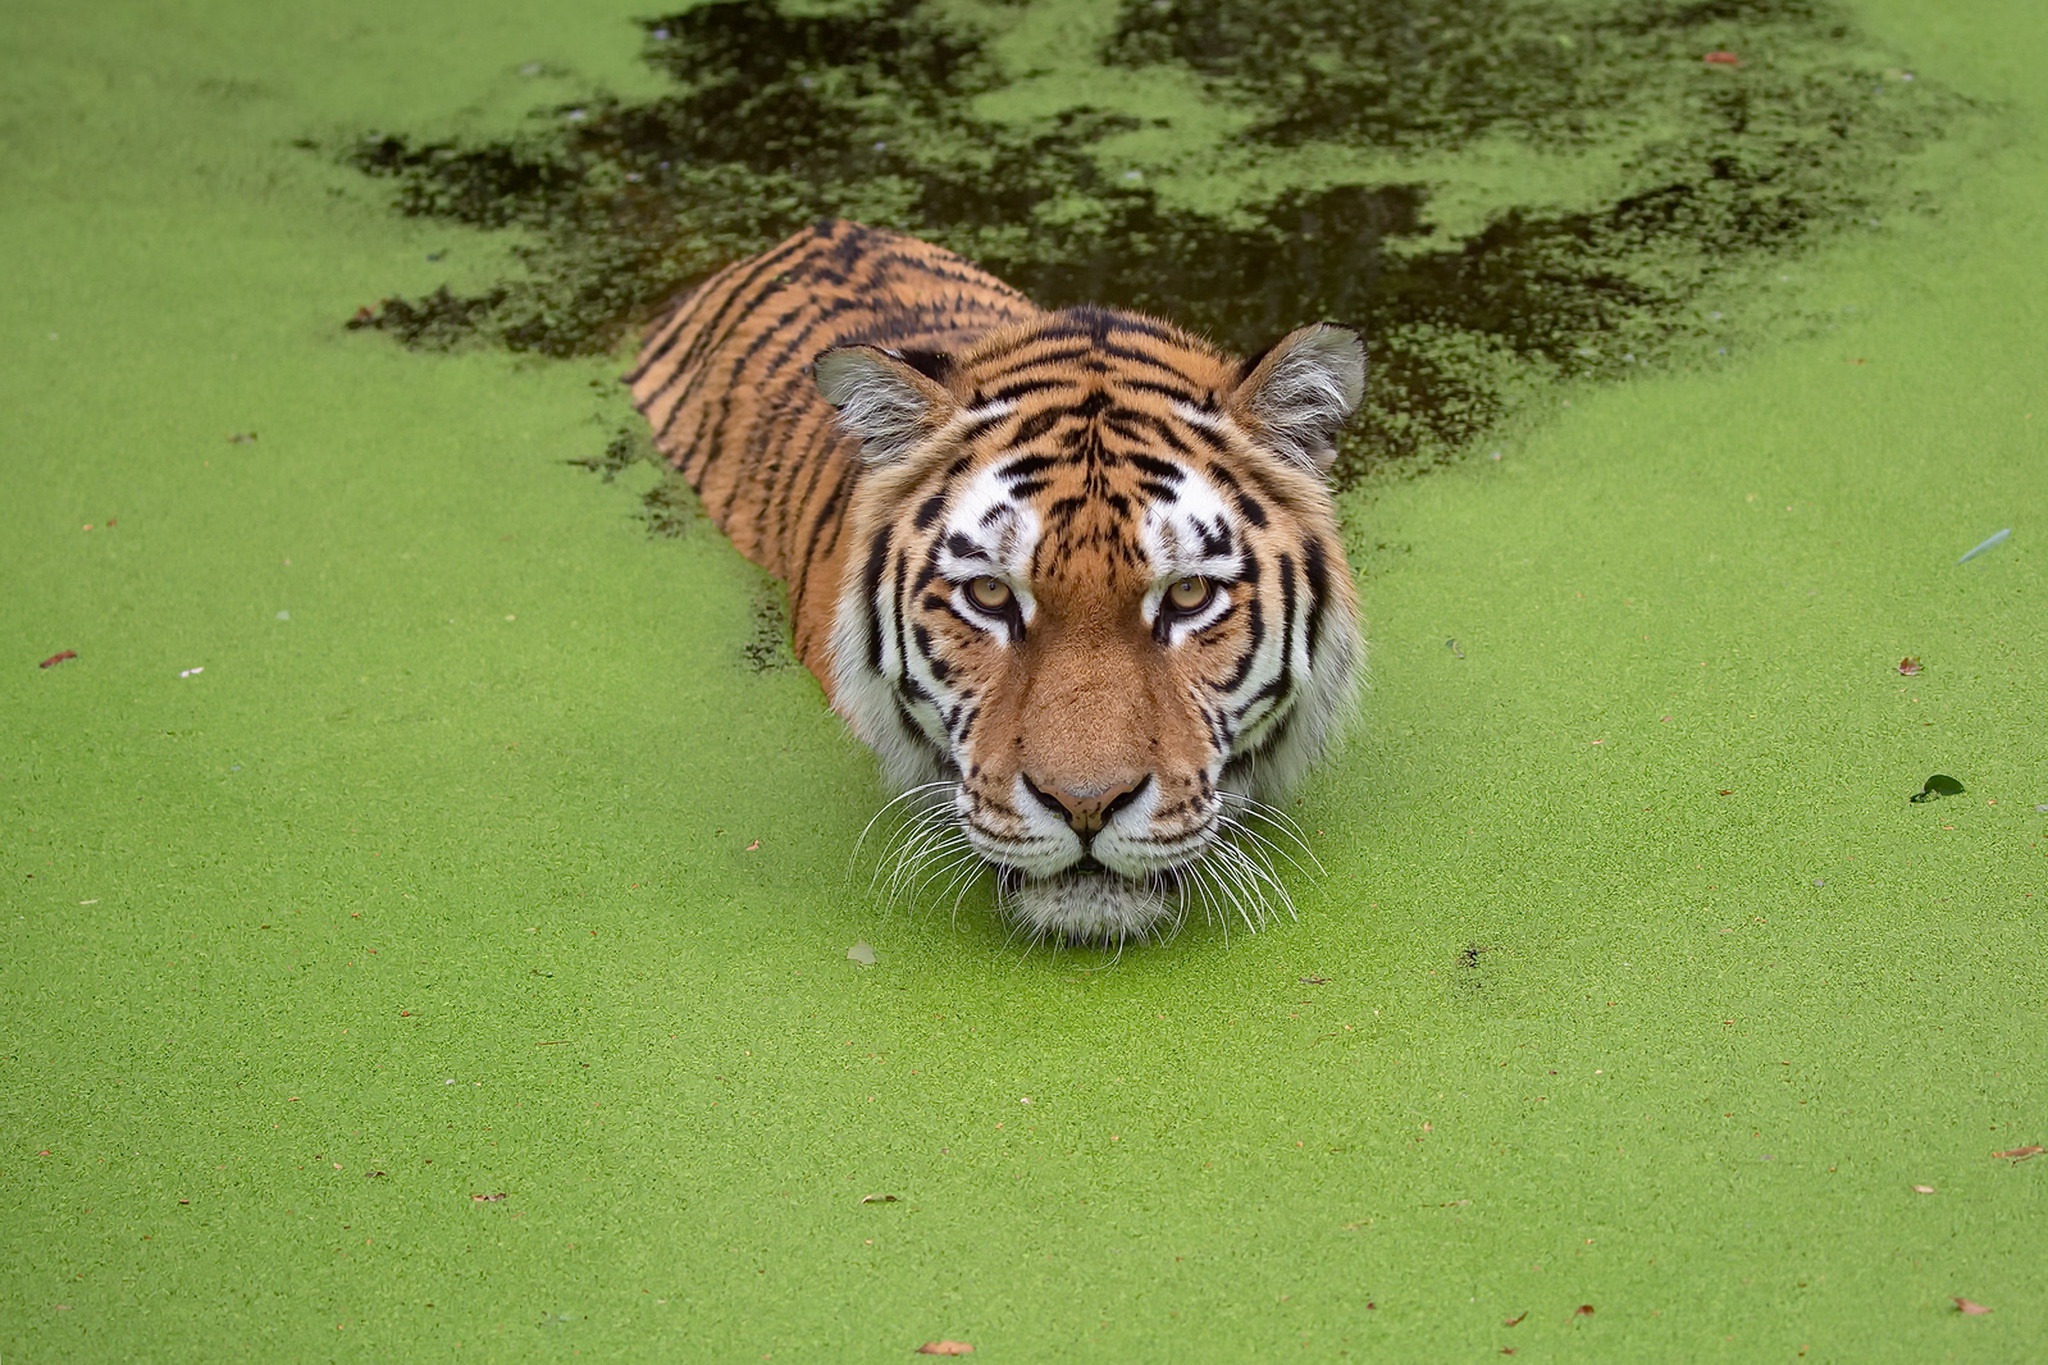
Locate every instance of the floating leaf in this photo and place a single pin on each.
(2020, 1153)
(1910, 665)
(945, 1348)
(1938, 786)
(862, 954)
(1990, 542)
(1975, 1310)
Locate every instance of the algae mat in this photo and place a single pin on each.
(452, 961)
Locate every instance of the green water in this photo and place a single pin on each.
(500, 865)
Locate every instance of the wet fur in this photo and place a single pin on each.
(878, 422)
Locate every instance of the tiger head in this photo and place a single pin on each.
(1095, 607)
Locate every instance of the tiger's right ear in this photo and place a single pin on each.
(890, 399)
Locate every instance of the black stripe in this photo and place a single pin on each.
(741, 289)
(1025, 466)
(1019, 388)
(871, 584)
(1255, 630)
(1316, 566)
(1251, 508)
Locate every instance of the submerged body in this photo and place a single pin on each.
(1074, 576)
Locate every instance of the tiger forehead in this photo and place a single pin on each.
(1131, 357)
(1056, 518)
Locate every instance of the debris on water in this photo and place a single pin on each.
(1975, 1310)
(862, 954)
(59, 657)
(945, 1348)
(1452, 645)
(1937, 786)
(1722, 59)
(191, 672)
(2018, 1154)
(1910, 665)
(1990, 542)
(880, 1199)
(242, 438)
(1923, 1189)
(489, 1198)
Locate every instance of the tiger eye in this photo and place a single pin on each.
(990, 594)
(1190, 594)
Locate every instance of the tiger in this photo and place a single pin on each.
(1074, 575)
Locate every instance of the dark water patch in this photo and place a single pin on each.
(1362, 130)
(767, 649)
(670, 508)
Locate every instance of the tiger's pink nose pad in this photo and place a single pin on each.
(1086, 811)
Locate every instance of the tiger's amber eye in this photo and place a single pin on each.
(1190, 594)
(990, 594)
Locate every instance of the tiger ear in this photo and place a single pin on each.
(1302, 389)
(890, 399)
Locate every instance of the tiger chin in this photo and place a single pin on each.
(1073, 575)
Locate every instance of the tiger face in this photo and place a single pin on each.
(1094, 606)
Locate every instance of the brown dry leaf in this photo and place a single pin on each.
(1909, 665)
(1584, 1310)
(1516, 1321)
(879, 1199)
(945, 1348)
(2020, 1153)
(1975, 1310)
(489, 1198)
(1923, 1189)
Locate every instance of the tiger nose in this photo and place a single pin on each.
(1086, 809)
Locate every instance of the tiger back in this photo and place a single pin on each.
(725, 382)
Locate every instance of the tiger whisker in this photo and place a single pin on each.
(900, 841)
(917, 853)
(1264, 845)
(1255, 874)
(921, 789)
(923, 839)
(1281, 821)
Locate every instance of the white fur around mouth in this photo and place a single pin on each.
(1086, 907)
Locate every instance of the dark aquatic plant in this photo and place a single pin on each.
(1653, 175)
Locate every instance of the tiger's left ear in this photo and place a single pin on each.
(890, 399)
(1302, 390)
